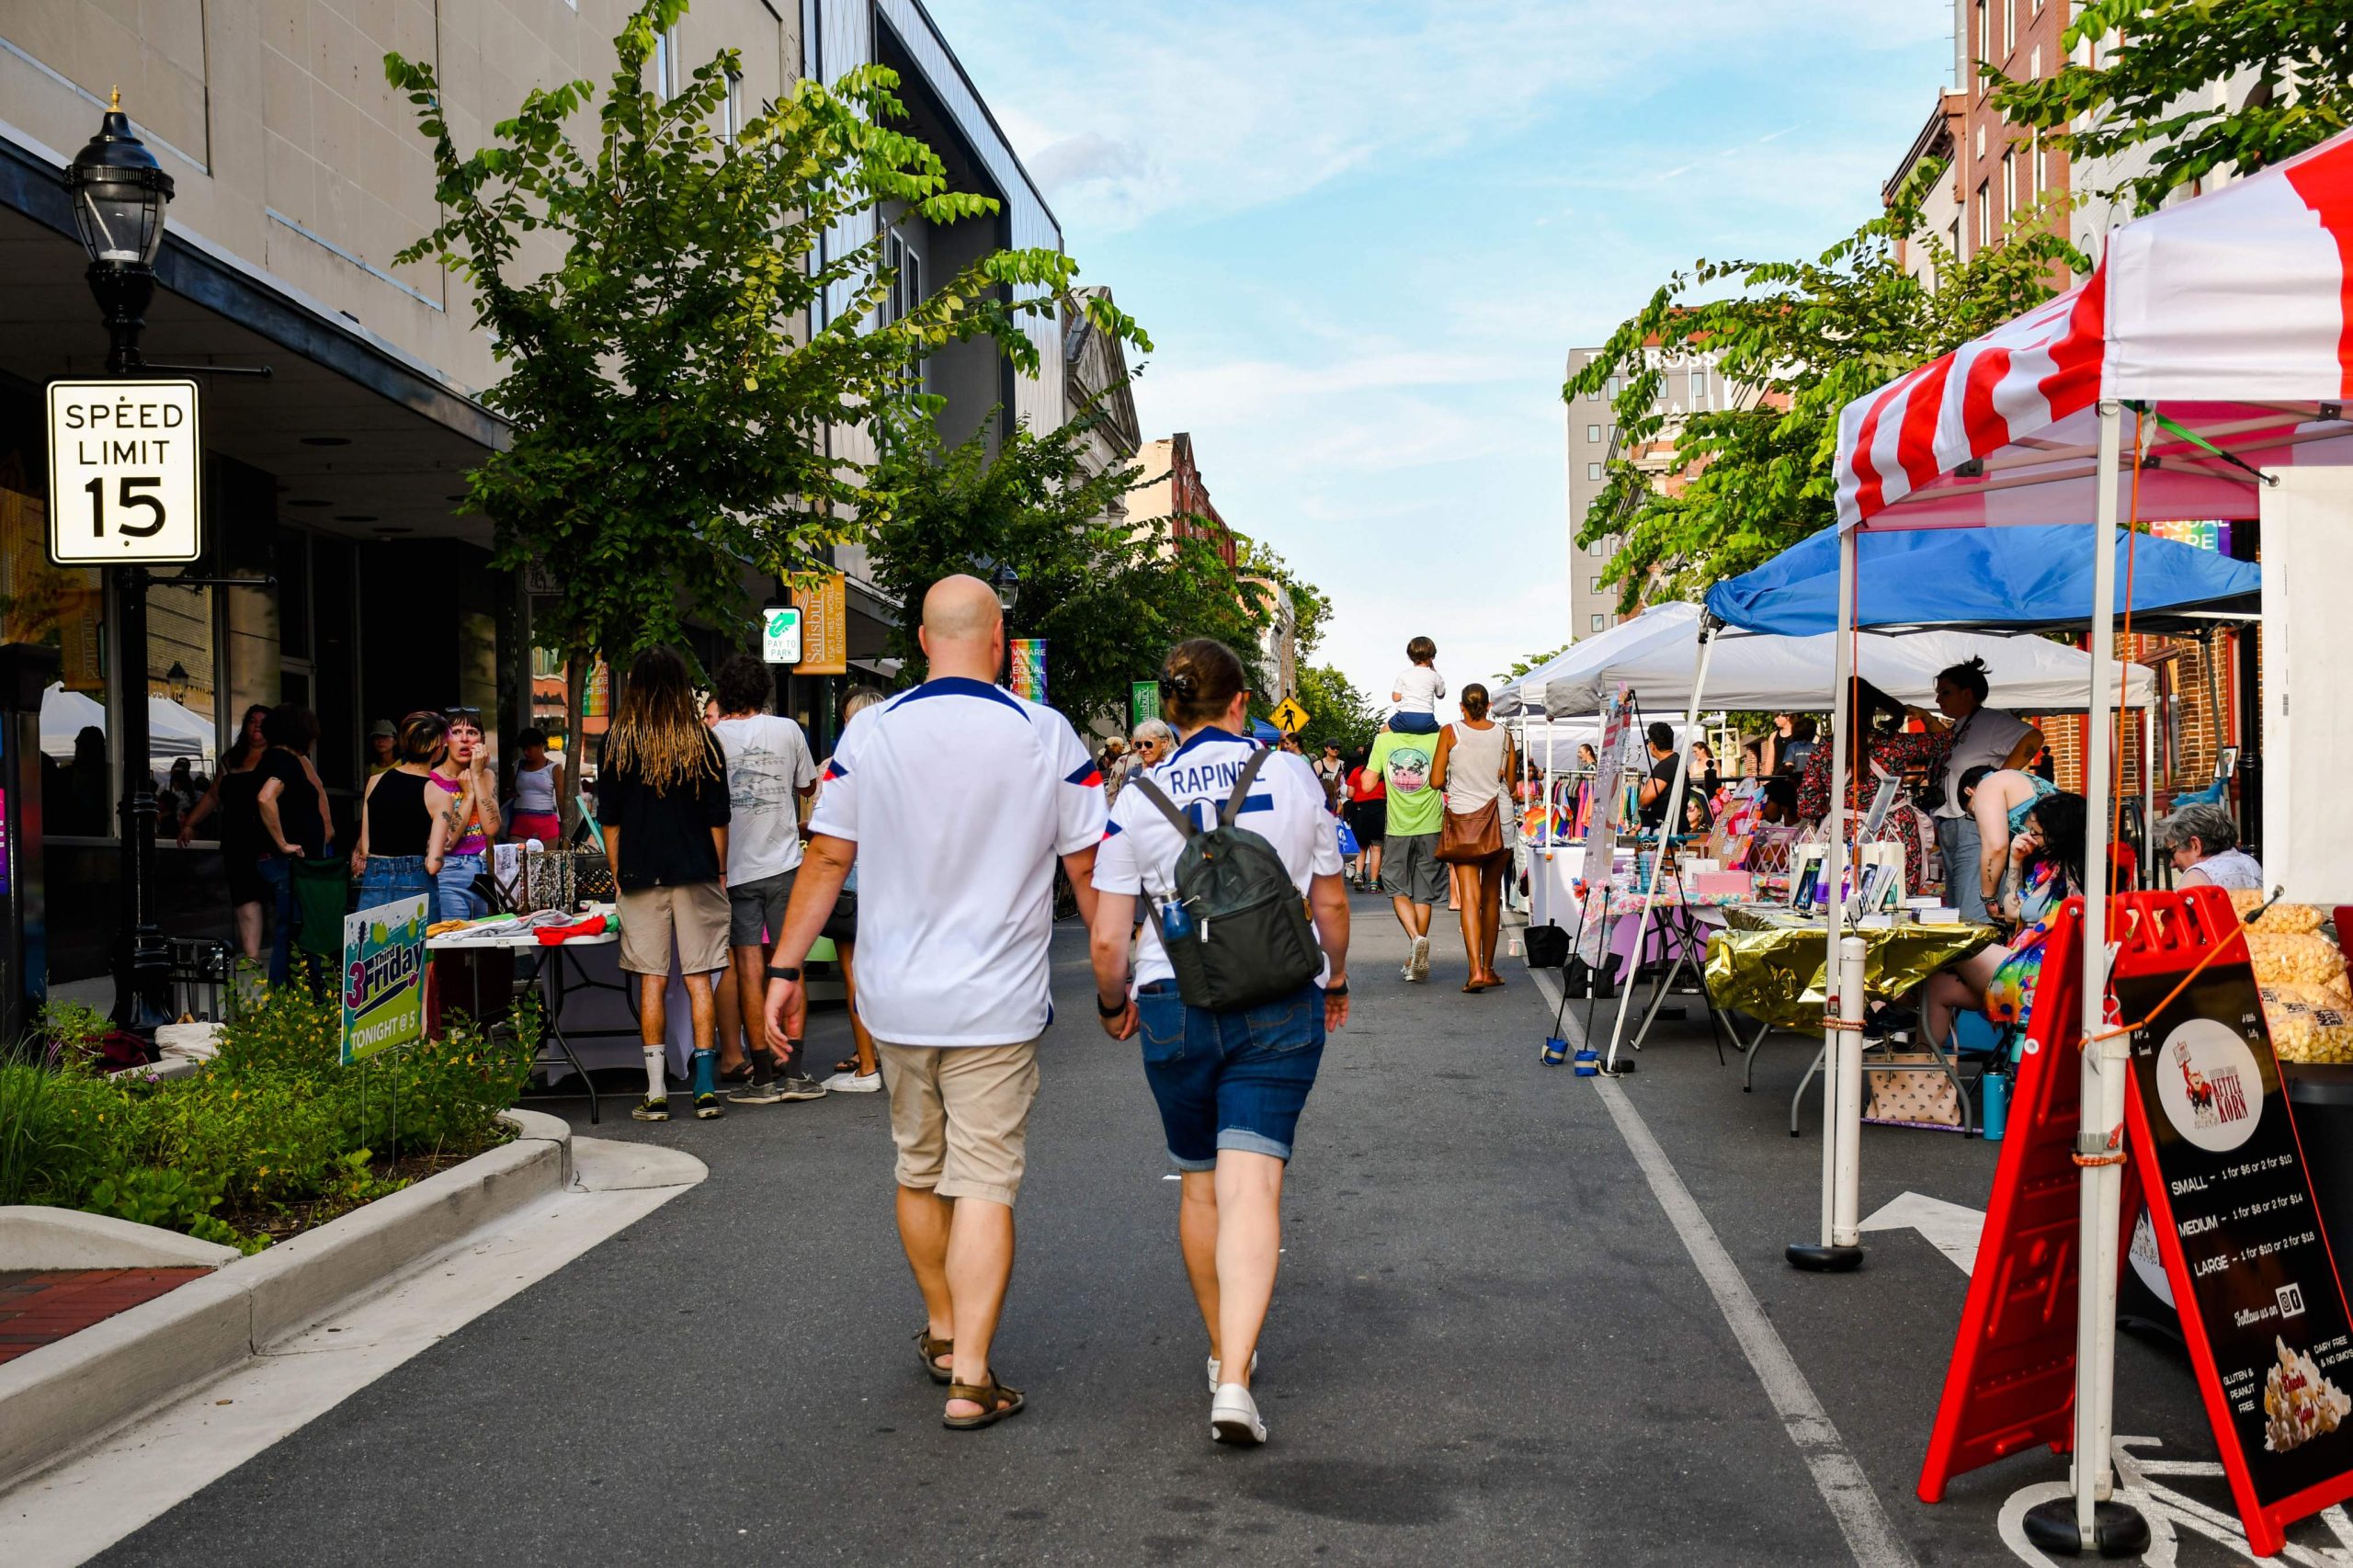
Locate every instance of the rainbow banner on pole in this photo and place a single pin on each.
(1028, 657)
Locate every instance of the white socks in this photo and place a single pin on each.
(656, 1088)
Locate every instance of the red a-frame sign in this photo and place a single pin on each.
(2208, 1130)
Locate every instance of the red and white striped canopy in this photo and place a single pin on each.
(2231, 314)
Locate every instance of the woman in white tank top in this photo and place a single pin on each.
(1473, 762)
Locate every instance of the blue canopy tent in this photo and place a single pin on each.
(2027, 578)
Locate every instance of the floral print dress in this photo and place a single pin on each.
(1895, 753)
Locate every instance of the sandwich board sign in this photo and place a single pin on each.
(2209, 1135)
(126, 472)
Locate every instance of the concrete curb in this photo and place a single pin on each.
(34, 1235)
(61, 1396)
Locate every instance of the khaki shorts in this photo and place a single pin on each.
(696, 913)
(959, 1115)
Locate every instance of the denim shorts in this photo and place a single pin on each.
(1232, 1080)
(389, 877)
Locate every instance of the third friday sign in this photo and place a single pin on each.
(125, 472)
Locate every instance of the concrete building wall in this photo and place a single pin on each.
(290, 150)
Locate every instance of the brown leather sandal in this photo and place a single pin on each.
(932, 1350)
(996, 1403)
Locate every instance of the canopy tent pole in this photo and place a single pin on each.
(1840, 1245)
(2093, 1520)
(2148, 786)
(1670, 825)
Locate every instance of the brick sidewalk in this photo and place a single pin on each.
(39, 1308)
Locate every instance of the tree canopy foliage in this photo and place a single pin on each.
(2154, 86)
(1739, 481)
(1110, 596)
(647, 291)
(1310, 606)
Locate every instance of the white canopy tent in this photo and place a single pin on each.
(2029, 674)
(172, 730)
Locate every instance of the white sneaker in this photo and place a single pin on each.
(1421, 959)
(1215, 1368)
(854, 1083)
(1233, 1417)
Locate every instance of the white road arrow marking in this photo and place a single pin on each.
(1950, 1228)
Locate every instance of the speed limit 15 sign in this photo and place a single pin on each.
(125, 472)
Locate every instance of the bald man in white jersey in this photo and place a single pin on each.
(954, 800)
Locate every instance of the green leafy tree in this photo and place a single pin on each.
(1532, 660)
(1110, 597)
(647, 289)
(1336, 711)
(2155, 88)
(1737, 485)
(1310, 608)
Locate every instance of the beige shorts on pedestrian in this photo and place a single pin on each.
(959, 1115)
(696, 913)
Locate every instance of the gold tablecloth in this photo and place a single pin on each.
(1769, 965)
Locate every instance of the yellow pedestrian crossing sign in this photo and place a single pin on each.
(1289, 716)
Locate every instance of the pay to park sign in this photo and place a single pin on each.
(125, 472)
(383, 978)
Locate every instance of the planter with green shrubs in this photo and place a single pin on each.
(274, 1136)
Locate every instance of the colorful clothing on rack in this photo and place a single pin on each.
(1895, 753)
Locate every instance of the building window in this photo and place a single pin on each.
(1593, 394)
(2034, 63)
(668, 65)
(1983, 40)
(2034, 164)
(731, 111)
(1980, 138)
(1698, 389)
(1598, 547)
(1985, 216)
(1597, 585)
(2009, 185)
(1593, 435)
(1593, 470)
(1596, 623)
(1613, 389)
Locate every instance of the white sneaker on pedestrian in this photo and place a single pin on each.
(1420, 960)
(1233, 1417)
(1215, 1368)
(854, 1083)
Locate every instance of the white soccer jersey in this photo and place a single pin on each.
(960, 797)
(1285, 807)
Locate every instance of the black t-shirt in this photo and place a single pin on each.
(665, 836)
(298, 803)
(1661, 769)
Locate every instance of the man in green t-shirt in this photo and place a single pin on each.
(1410, 870)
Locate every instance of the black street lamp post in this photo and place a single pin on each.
(119, 193)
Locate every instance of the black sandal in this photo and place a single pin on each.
(931, 1350)
(996, 1403)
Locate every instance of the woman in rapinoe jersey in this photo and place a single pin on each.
(1230, 1084)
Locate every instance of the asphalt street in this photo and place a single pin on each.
(1490, 1344)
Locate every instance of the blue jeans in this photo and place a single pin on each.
(387, 878)
(1235, 1080)
(1957, 841)
(459, 900)
(1414, 723)
(275, 871)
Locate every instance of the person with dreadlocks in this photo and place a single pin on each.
(662, 802)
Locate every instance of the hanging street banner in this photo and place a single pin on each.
(1028, 657)
(125, 472)
(383, 978)
(780, 635)
(1143, 701)
(825, 627)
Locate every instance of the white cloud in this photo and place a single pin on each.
(1203, 109)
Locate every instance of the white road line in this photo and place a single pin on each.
(1871, 1535)
(75, 1510)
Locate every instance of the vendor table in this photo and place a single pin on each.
(555, 958)
(1770, 961)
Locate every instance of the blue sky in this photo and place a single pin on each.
(1364, 236)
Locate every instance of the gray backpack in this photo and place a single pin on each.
(1236, 931)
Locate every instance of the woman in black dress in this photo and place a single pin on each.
(233, 794)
